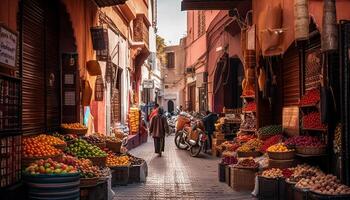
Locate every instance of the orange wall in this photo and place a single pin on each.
(8, 13)
(315, 10)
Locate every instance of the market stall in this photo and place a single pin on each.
(89, 164)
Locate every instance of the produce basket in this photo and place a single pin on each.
(98, 161)
(312, 195)
(268, 188)
(55, 186)
(289, 155)
(27, 161)
(89, 182)
(311, 150)
(288, 193)
(101, 145)
(60, 146)
(228, 175)
(135, 173)
(253, 154)
(242, 179)
(114, 146)
(300, 194)
(281, 164)
(221, 172)
(79, 132)
(120, 175)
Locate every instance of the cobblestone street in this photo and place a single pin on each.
(176, 175)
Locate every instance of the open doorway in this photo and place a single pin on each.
(171, 106)
(228, 83)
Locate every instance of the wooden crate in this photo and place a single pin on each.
(242, 179)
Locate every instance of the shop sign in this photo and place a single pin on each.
(8, 47)
(148, 84)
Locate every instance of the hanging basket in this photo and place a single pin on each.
(93, 67)
(99, 89)
(301, 19)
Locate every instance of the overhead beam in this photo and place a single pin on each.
(209, 4)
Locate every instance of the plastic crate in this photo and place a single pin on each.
(221, 172)
(120, 175)
(10, 160)
(98, 192)
(300, 194)
(228, 175)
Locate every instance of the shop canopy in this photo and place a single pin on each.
(210, 4)
(106, 3)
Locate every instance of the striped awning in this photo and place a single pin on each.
(106, 3)
(209, 4)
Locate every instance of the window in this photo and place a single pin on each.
(170, 59)
(201, 22)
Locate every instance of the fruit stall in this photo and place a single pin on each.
(78, 165)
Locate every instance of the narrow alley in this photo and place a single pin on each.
(177, 175)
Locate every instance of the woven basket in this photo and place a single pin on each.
(101, 145)
(281, 164)
(114, 146)
(89, 182)
(60, 146)
(79, 132)
(242, 179)
(98, 161)
(289, 155)
(248, 154)
(311, 150)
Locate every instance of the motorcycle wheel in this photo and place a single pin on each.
(179, 141)
(195, 150)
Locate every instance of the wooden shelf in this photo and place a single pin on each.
(247, 130)
(308, 156)
(248, 97)
(315, 105)
(315, 129)
(249, 112)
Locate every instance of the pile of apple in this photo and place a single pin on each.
(84, 166)
(311, 97)
(49, 167)
(313, 120)
(304, 141)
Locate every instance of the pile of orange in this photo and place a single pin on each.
(50, 140)
(34, 148)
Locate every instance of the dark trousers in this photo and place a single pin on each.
(209, 134)
(158, 144)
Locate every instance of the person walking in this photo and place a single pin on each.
(154, 112)
(209, 123)
(158, 128)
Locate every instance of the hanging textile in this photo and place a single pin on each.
(99, 88)
(329, 40)
(301, 19)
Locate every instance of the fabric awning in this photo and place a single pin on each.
(209, 4)
(106, 3)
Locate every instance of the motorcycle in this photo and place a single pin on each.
(192, 138)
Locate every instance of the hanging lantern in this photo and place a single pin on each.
(301, 19)
(99, 88)
(329, 41)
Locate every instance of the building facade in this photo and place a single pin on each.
(174, 77)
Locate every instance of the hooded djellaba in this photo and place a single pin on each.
(158, 128)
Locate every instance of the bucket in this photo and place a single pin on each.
(301, 19)
(62, 187)
(329, 36)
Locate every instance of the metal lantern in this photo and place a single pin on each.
(329, 40)
(99, 88)
(301, 19)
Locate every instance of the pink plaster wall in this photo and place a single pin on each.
(315, 10)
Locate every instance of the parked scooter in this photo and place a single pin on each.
(192, 138)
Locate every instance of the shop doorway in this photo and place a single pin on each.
(228, 83)
(40, 24)
(171, 106)
(191, 97)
